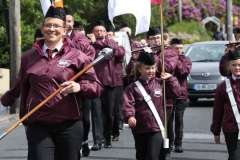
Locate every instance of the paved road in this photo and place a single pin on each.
(198, 141)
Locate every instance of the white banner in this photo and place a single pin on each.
(45, 5)
(141, 9)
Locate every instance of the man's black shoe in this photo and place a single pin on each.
(178, 149)
(114, 138)
(107, 145)
(85, 150)
(96, 147)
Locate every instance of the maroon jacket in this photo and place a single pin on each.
(171, 60)
(41, 77)
(78, 41)
(223, 66)
(110, 72)
(135, 106)
(11, 95)
(182, 70)
(134, 45)
(223, 116)
(81, 42)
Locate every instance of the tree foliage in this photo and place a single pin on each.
(86, 11)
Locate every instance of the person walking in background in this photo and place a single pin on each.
(182, 70)
(226, 107)
(110, 74)
(218, 35)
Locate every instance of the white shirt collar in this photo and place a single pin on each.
(69, 33)
(234, 77)
(45, 47)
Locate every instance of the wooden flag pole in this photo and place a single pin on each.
(163, 70)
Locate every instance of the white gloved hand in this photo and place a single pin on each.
(4, 109)
(108, 53)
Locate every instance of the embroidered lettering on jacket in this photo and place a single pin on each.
(157, 92)
(63, 63)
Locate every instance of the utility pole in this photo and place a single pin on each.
(180, 10)
(229, 21)
(15, 45)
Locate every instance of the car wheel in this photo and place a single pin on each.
(193, 99)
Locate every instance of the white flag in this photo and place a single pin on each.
(45, 5)
(141, 9)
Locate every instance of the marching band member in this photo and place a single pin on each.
(110, 74)
(182, 70)
(110, 33)
(56, 128)
(78, 27)
(78, 40)
(146, 131)
(226, 107)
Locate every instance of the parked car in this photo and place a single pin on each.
(205, 76)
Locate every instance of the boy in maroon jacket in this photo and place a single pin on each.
(182, 70)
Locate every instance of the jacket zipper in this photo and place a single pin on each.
(77, 104)
(29, 105)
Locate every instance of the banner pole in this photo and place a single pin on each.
(163, 70)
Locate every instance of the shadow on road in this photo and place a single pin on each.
(201, 103)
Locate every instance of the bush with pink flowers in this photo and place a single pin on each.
(196, 10)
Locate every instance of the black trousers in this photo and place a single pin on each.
(149, 146)
(233, 145)
(93, 106)
(86, 108)
(117, 115)
(64, 140)
(179, 113)
(170, 133)
(109, 103)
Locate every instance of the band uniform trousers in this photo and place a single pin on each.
(180, 107)
(149, 146)
(93, 106)
(170, 133)
(64, 139)
(233, 145)
(117, 115)
(109, 102)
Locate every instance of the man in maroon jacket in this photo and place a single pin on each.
(182, 70)
(110, 74)
(79, 40)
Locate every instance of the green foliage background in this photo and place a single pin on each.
(85, 10)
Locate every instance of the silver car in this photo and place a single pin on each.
(205, 76)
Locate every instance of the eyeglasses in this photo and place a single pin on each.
(55, 26)
(154, 38)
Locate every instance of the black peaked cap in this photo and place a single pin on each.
(78, 24)
(153, 31)
(57, 12)
(176, 41)
(38, 34)
(146, 58)
(99, 23)
(165, 29)
(234, 55)
(124, 25)
(110, 29)
(68, 11)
